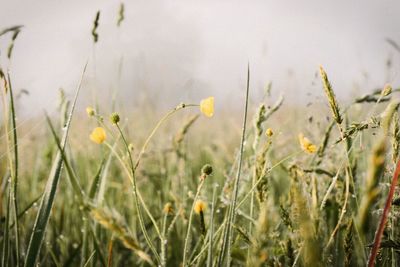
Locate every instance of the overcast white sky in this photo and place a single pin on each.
(184, 50)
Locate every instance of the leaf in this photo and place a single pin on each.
(43, 215)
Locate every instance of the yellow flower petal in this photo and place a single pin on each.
(168, 208)
(306, 144)
(200, 206)
(207, 106)
(98, 135)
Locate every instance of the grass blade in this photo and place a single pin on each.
(6, 239)
(39, 228)
(210, 248)
(227, 239)
(14, 172)
(379, 232)
(72, 176)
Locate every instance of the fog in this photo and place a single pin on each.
(174, 51)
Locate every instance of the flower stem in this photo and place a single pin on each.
(185, 248)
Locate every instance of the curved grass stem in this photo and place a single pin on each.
(136, 193)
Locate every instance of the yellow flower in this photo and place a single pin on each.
(207, 106)
(98, 135)
(90, 111)
(200, 206)
(306, 144)
(168, 208)
(269, 132)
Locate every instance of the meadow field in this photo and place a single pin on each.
(275, 184)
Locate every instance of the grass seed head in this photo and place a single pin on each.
(387, 90)
(331, 96)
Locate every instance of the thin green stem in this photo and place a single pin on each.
(211, 234)
(136, 199)
(228, 236)
(265, 171)
(160, 122)
(164, 241)
(187, 239)
(136, 193)
(142, 202)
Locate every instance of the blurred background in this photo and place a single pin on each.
(167, 52)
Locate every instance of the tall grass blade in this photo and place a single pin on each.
(72, 176)
(382, 223)
(14, 173)
(39, 228)
(211, 234)
(227, 238)
(6, 239)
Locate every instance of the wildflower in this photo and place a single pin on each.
(168, 208)
(131, 147)
(200, 206)
(306, 144)
(114, 118)
(207, 169)
(269, 132)
(98, 135)
(207, 106)
(90, 111)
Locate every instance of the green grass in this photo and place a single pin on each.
(291, 207)
(324, 199)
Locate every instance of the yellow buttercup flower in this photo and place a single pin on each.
(269, 132)
(207, 106)
(200, 206)
(168, 208)
(90, 111)
(98, 135)
(306, 144)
